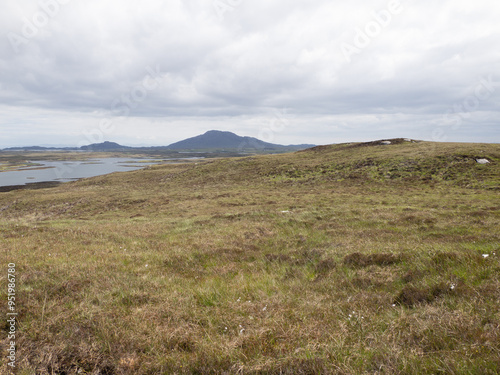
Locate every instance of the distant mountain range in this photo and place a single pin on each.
(211, 140)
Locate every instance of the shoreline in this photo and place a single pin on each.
(30, 186)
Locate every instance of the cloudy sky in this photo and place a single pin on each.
(153, 72)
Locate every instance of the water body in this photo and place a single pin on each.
(63, 171)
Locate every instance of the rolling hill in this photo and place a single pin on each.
(352, 258)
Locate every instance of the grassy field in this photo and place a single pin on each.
(343, 259)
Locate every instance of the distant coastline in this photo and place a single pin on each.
(209, 141)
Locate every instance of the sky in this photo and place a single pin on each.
(153, 72)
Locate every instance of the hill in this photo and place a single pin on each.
(105, 146)
(353, 258)
(211, 140)
(215, 139)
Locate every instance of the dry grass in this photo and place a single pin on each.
(341, 260)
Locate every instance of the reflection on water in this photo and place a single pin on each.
(70, 170)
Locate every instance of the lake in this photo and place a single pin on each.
(62, 171)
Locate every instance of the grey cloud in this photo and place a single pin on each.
(261, 56)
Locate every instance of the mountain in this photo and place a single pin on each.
(211, 140)
(216, 139)
(105, 146)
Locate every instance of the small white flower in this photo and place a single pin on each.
(146, 266)
(265, 308)
(486, 255)
(393, 305)
(239, 299)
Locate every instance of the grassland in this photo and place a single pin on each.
(344, 259)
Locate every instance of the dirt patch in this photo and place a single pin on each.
(411, 296)
(412, 275)
(325, 266)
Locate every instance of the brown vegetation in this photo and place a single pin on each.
(338, 260)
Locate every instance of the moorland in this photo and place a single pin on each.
(357, 258)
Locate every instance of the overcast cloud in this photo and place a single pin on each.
(154, 72)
